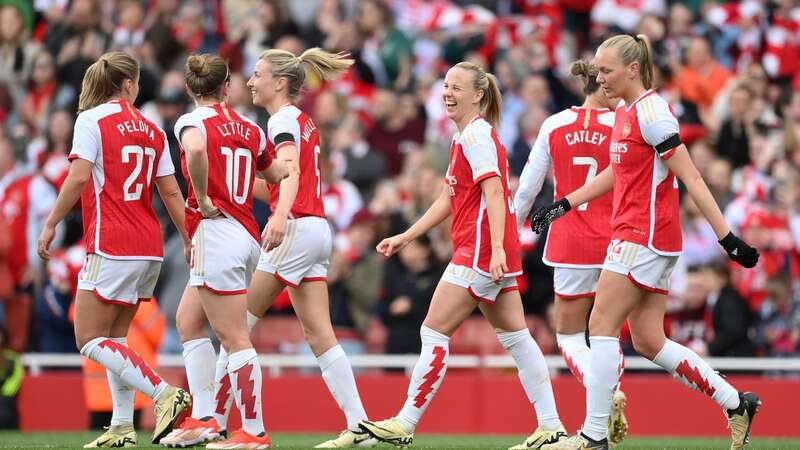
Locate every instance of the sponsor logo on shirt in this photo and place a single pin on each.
(451, 181)
(616, 151)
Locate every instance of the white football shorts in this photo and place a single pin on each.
(119, 281)
(479, 286)
(645, 268)
(224, 256)
(570, 282)
(304, 254)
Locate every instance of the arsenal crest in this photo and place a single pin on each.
(626, 130)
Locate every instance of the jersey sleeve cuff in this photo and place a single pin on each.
(74, 156)
(165, 173)
(486, 175)
(283, 144)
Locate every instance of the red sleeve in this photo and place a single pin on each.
(263, 161)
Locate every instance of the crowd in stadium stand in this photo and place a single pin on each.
(731, 72)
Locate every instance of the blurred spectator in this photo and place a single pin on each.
(330, 110)
(386, 49)
(11, 375)
(355, 275)
(702, 77)
(327, 21)
(55, 145)
(730, 317)
(17, 51)
(399, 121)
(687, 320)
(718, 177)
(732, 142)
(266, 23)
(340, 196)
(56, 332)
(353, 158)
(25, 205)
(44, 95)
(699, 241)
(130, 31)
(529, 124)
(191, 32)
(409, 282)
(159, 39)
(625, 15)
(779, 331)
(77, 41)
(9, 169)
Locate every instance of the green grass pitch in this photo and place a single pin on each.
(423, 441)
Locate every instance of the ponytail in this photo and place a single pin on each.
(587, 73)
(325, 65)
(103, 79)
(645, 61)
(206, 75)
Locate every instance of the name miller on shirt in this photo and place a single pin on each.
(231, 128)
(135, 126)
(308, 129)
(577, 137)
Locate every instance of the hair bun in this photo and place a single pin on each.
(198, 65)
(579, 69)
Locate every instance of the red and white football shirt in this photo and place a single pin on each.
(25, 205)
(127, 150)
(575, 144)
(289, 125)
(646, 205)
(475, 155)
(234, 147)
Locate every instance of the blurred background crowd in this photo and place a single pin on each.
(730, 70)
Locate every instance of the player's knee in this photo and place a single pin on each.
(233, 340)
(81, 339)
(84, 335)
(319, 338)
(570, 323)
(189, 329)
(646, 346)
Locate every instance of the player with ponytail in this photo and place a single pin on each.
(647, 158)
(486, 261)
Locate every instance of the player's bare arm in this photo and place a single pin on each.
(276, 172)
(197, 163)
(496, 210)
(436, 213)
(260, 190)
(79, 174)
(275, 229)
(680, 163)
(173, 200)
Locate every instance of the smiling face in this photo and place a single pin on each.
(613, 75)
(461, 99)
(263, 86)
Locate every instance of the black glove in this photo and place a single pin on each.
(545, 215)
(739, 251)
